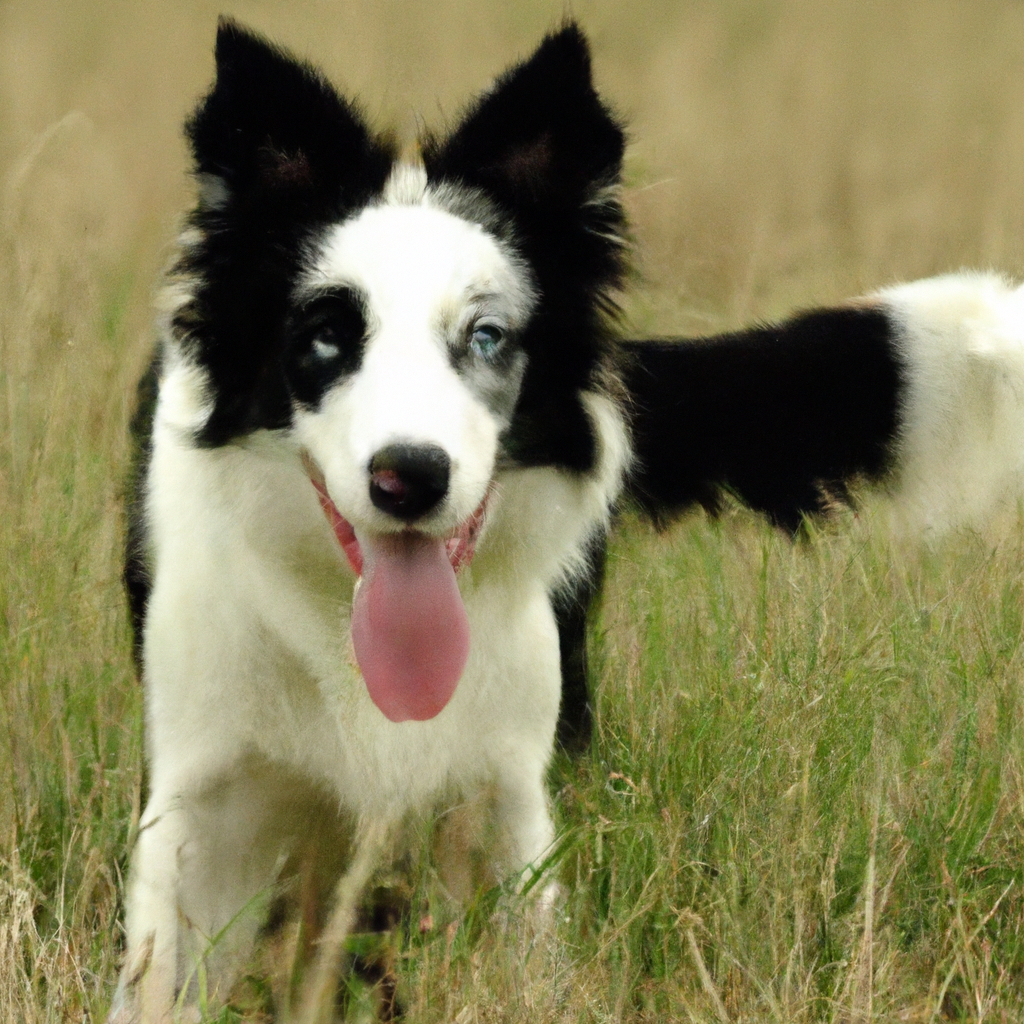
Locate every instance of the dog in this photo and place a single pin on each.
(379, 449)
(916, 390)
(387, 422)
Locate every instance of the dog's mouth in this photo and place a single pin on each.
(409, 626)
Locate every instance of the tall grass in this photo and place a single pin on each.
(69, 746)
(803, 801)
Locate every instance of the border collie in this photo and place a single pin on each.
(388, 422)
(917, 389)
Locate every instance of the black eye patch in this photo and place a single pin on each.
(326, 337)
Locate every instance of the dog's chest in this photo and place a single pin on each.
(325, 722)
(261, 621)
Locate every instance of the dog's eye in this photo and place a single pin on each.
(323, 348)
(328, 330)
(327, 338)
(486, 340)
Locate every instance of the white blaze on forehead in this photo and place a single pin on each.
(413, 259)
(427, 277)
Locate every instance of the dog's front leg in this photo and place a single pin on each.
(523, 830)
(202, 872)
(501, 832)
(148, 981)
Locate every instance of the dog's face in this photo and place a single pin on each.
(404, 360)
(412, 329)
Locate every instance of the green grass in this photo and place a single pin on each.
(807, 768)
(70, 732)
(803, 802)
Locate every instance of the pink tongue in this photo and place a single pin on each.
(409, 627)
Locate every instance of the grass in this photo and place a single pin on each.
(803, 801)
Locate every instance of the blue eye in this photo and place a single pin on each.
(486, 340)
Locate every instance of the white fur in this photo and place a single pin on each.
(960, 451)
(259, 728)
(426, 274)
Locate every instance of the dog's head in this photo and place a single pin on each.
(414, 328)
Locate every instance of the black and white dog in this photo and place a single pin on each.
(390, 422)
(917, 389)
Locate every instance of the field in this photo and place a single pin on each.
(804, 801)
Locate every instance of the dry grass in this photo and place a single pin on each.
(804, 803)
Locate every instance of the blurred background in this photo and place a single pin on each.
(782, 151)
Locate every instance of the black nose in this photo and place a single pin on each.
(408, 480)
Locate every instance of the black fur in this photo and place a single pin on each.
(783, 417)
(543, 148)
(136, 576)
(574, 605)
(294, 157)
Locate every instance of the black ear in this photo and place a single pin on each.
(540, 138)
(274, 123)
(543, 148)
(282, 155)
